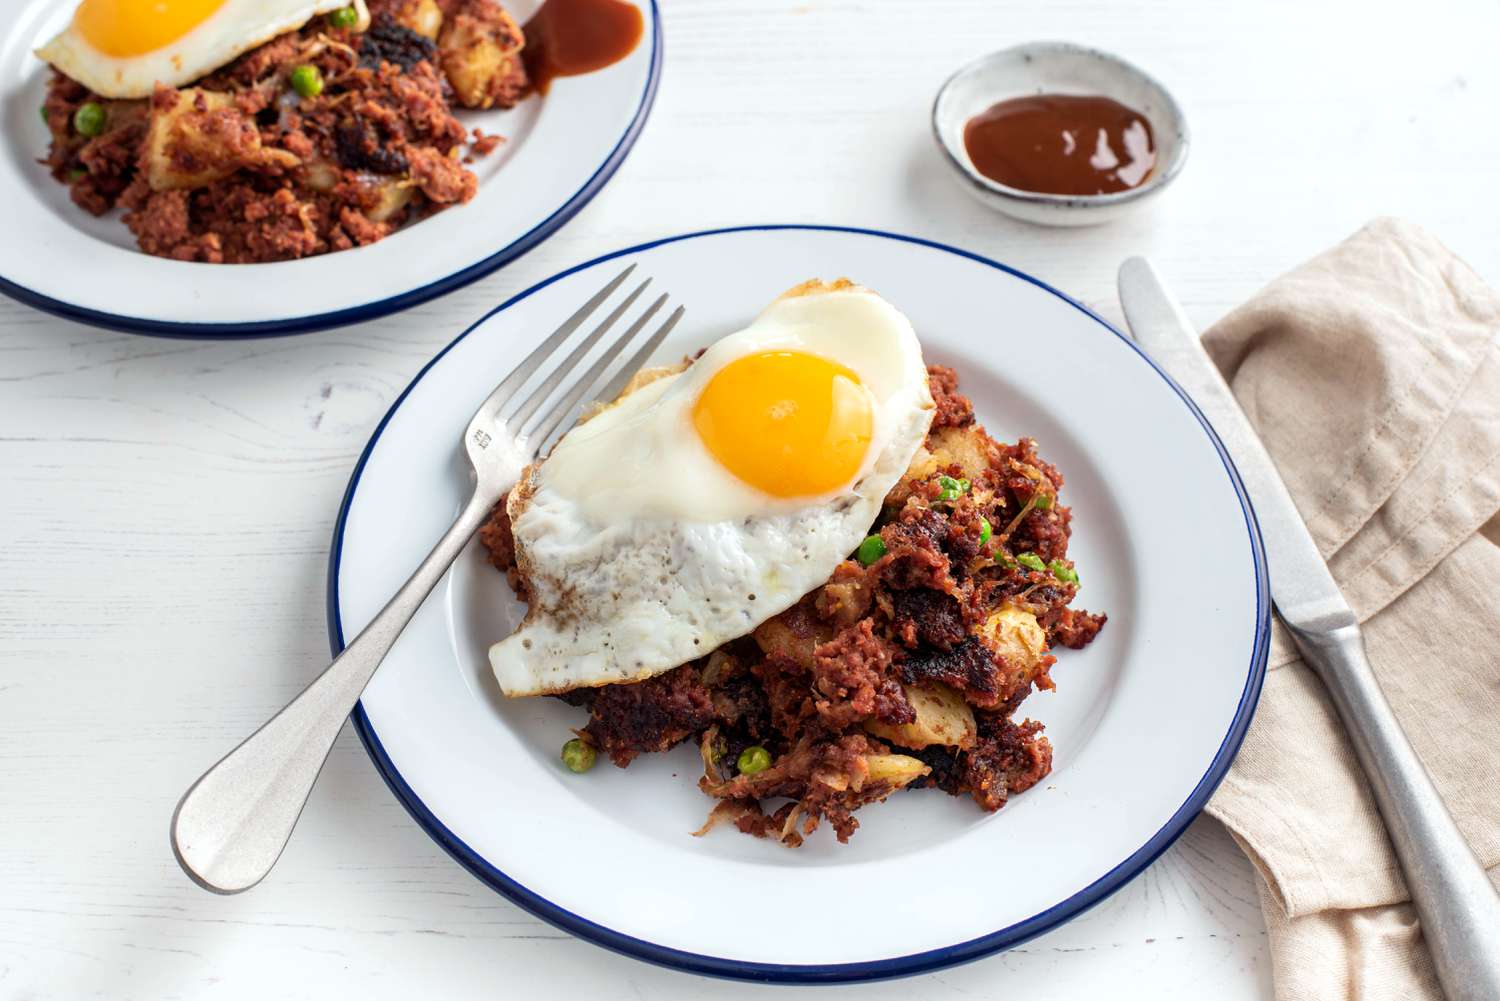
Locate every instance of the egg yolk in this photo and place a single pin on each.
(789, 423)
(133, 27)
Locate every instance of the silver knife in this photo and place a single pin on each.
(1458, 906)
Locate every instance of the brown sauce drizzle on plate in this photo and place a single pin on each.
(569, 37)
(1061, 144)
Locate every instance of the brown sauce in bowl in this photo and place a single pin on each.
(1061, 144)
(569, 37)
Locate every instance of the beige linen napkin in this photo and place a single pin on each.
(1372, 373)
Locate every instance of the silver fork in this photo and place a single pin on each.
(232, 824)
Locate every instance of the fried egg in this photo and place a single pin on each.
(710, 500)
(124, 48)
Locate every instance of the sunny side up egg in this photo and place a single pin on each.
(124, 48)
(708, 501)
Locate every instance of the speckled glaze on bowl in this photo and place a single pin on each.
(1057, 68)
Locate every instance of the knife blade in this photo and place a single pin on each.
(1458, 906)
(1301, 586)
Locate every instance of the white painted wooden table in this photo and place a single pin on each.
(165, 507)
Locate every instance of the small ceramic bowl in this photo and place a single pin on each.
(1057, 68)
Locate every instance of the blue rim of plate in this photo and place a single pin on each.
(384, 307)
(881, 969)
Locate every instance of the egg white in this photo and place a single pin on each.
(642, 553)
(232, 30)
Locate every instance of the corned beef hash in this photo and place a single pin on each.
(801, 552)
(260, 130)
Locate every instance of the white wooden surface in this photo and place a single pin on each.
(165, 507)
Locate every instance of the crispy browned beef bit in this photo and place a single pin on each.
(257, 64)
(914, 550)
(279, 224)
(742, 708)
(853, 676)
(969, 667)
(788, 695)
(927, 618)
(496, 538)
(500, 545)
(961, 543)
(580, 698)
(1023, 452)
(828, 779)
(650, 715)
(846, 598)
(749, 818)
(1044, 533)
(918, 526)
(110, 157)
(953, 408)
(484, 145)
(394, 43)
(441, 178)
(816, 680)
(360, 147)
(1007, 759)
(1075, 628)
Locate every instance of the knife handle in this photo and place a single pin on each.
(1458, 905)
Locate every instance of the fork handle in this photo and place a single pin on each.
(232, 824)
(1455, 900)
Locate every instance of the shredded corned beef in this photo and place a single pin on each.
(955, 613)
(240, 168)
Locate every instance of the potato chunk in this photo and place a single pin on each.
(424, 17)
(966, 447)
(321, 175)
(393, 196)
(922, 465)
(943, 717)
(897, 769)
(197, 137)
(1016, 635)
(480, 49)
(794, 634)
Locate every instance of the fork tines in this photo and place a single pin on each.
(549, 408)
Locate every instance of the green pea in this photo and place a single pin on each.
(754, 760)
(46, 118)
(578, 756)
(307, 81)
(344, 17)
(1063, 572)
(1031, 561)
(1042, 501)
(870, 550)
(985, 531)
(952, 488)
(89, 119)
(77, 174)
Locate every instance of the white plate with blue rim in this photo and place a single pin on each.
(560, 151)
(1144, 721)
